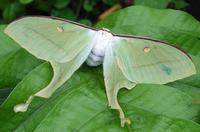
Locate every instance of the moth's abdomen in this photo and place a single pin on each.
(97, 53)
(94, 60)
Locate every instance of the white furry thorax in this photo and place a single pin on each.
(97, 53)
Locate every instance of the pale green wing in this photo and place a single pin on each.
(114, 81)
(143, 60)
(64, 44)
(50, 39)
(62, 72)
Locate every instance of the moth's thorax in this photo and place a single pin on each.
(102, 41)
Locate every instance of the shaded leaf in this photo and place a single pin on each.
(111, 2)
(61, 3)
(66, 13)
(25, 1)
(88, 5)
(15, 62)
(152, 3)
(179, 4)
(85, 22)
(4, 92)
(39, 78)
(44, 5)
(12, 11)
(5, 3)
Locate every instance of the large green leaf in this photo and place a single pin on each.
(81, 104)
(15, 62)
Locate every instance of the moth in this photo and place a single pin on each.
(127, 60)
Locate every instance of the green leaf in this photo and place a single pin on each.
(25, 2)
(44, 5)
(179, 4)
(15, 66)
(152, 3)
(39, 78)
(4, 92)
(61, 3)
(88, 5)
(6, 43)
(12, 11)
(81, 103)
(15, 61)
(66, 13)
(85, 22)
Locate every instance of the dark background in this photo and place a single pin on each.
(85, 11)
(194, 8)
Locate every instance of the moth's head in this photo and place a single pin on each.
(105, 29)
(105, 32)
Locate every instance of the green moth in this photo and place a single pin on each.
(127, 60)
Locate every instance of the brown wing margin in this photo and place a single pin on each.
(154, 40)
(117, 35)
(61, 19)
